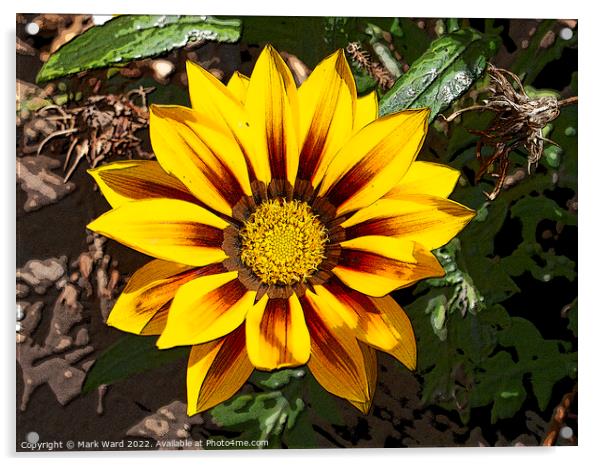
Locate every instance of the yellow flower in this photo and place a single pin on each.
(280, 220)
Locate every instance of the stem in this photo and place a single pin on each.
(558, 419)
(568, 101)
(453, 116)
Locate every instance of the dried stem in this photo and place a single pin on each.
(568, 101)
(560, 413)
(518, 122)
(374, 68)
(56, 133)
(104, 126)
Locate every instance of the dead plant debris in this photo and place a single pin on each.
(104, 126)
(518, 122)
(374, 68)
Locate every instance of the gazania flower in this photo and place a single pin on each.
(280, 219)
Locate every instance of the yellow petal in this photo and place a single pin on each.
(277, 335)
(205, 309)
(381, 322)
(150, 289)
(324, 297)
(238, 86)
(376, 270)
(369, 324)
(156, 325)
(431, 221)
(167, 229)
(201, 155)
(426, 178)
(273, 110)
(216, 371)
(327, 108)
(337, 361)
(215, 101)
(132, 180)
(371, 365)
(374, 160)
(386, 246)
(396, 319)
(366, 110)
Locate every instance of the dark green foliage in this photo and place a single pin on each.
(268, 414)
(530, 63)
(130, 355)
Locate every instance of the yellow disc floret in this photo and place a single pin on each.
(283, 242)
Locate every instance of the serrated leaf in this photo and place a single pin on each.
(278, 379)
(130, 355)
(442, 74)
(499, 382)
(542, 360)
(265, 416)
(529, 255)
(132, 37)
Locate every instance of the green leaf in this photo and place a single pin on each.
(278, 379)
(382, 51)
(498, 382)
(543, 360)
(268, 414)
(442, 74)
(471, 367)
(130, 355)
(409, 40)
(265, 415)
(529, 255)
(301, 36)
(132, 37)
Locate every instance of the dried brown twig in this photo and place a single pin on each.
(518, 122)
(560, 414)
(104, 126)
(364, 60)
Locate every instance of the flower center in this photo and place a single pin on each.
(283, 242)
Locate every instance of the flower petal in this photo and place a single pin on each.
(431, 221)
(378, 265)
(366, 110)
(397, 320)
(156, 325)
(216, 371)
(425, 178)
(215, 101)
(337, 361)
(150, 290)
(277, 334)
(273, 110)
(327, 108)
(201, 155)
(238, 85)
(371, 365)
(205, 309)
(374, 160)
(167, 229)
(381, 322)
(132, 180)
(368, 319)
